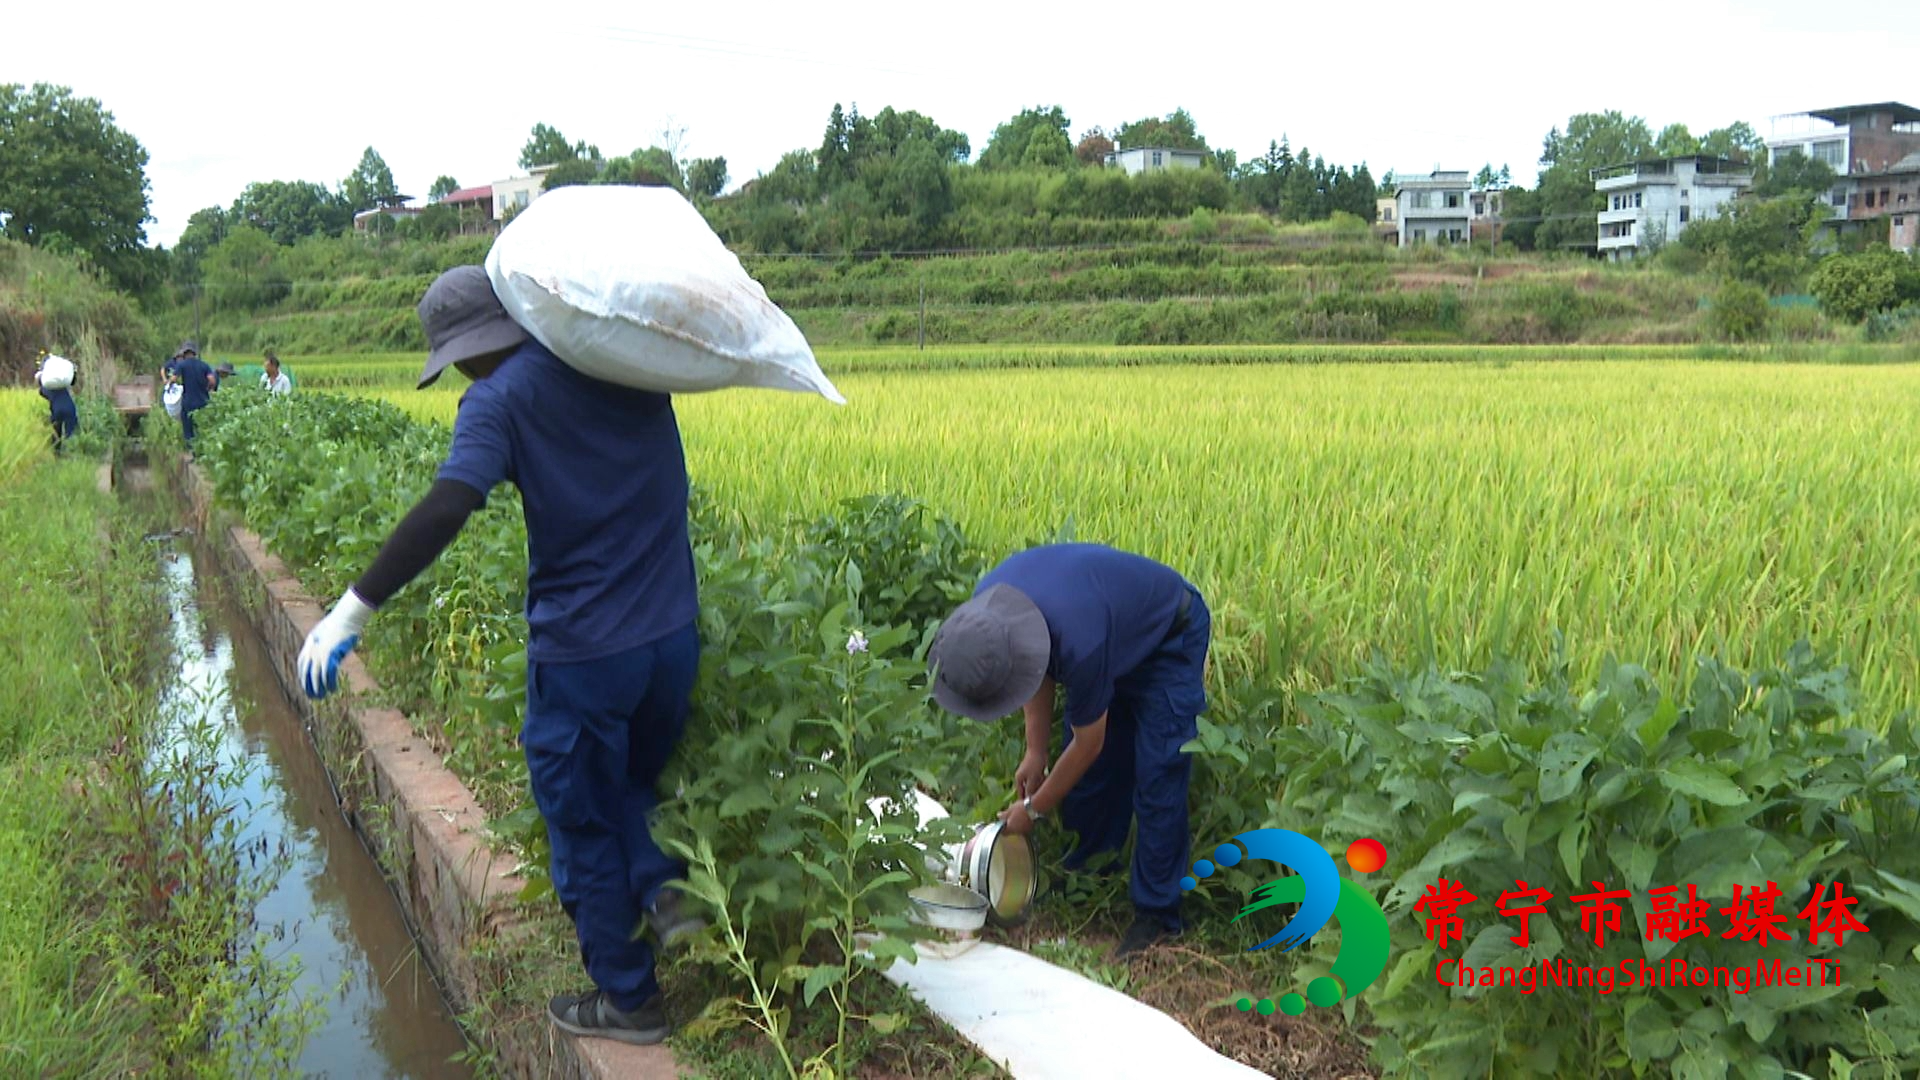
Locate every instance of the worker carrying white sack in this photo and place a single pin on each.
(630, 285)
(637, 296)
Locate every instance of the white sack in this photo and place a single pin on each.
(629, 285)
(56, 373)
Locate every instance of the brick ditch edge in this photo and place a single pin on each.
(455, 893)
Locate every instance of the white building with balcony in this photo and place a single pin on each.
(1435, 209)
(1650, 203)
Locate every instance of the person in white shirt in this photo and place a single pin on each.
(275, 381)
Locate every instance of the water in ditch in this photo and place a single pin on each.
(384, 1016)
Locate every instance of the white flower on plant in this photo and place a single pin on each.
(856, 643)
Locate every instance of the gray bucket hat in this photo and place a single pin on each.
(990, 656)
(185, 348)
(463, 319)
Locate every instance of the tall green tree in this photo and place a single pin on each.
(243, 271)
(69, 175)
(706, 177)
(205, 229)
(1567, 199)
(286, 210)
(1675, 140)
(893, 129)
(1012, 144)
(1175, 131)
(1093, 147)
(1763, 241)
(651, 166)
(443, 186)
(571, 172)
(546, 146)
(1795, 172)
(370, 184)
(1736, 140)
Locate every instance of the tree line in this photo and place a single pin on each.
(72, 181)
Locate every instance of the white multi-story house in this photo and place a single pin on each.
(1863, 144)
(1139, 159)
(1650, 203)
(1435, 209)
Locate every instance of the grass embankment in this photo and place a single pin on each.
(1308, 284)
(123, 944)
(48, 301)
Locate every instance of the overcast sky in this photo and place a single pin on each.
(222, 94)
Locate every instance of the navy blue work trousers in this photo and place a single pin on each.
(1141, 775)
(597, 735)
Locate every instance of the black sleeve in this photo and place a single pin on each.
(418, 540)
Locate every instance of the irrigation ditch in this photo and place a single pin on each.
(403, 919)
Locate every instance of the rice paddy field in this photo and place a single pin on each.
(1652, 508)
(23, 430)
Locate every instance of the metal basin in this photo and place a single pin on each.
(946, 906)
(999, 866)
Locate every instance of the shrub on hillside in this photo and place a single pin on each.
(1739, 311)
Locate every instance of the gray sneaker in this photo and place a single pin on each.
(593, 1016)
(670, 919)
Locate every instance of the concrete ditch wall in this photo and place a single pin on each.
(421, 822)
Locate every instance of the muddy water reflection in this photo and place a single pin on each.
(384, 1016)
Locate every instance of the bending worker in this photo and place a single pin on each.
(612, 646)
(1127, 637)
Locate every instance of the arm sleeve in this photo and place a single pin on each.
(418, 540)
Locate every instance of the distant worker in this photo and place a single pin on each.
(1127, 637)
(222, 373)
(275, 381)
(613, 645)
(196, 384)
(63, 413)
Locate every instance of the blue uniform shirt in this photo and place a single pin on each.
(1107, 611)
(60, 403)
(603, 481)
(193, 373)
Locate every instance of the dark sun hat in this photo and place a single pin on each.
(463, 319)
(990, 656)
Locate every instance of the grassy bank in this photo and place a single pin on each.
(1299, 285)
(124, 924)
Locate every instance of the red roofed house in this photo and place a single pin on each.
(475, 207)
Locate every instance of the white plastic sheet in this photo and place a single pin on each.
(1042, 1022)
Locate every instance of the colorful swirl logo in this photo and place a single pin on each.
(1316, 885)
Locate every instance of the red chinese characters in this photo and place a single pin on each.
(1440, 903)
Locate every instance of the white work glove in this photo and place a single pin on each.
(329, 643)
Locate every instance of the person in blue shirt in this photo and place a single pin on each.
(1127, 637)
(196, 385)
(612, 644)
(61, 409)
